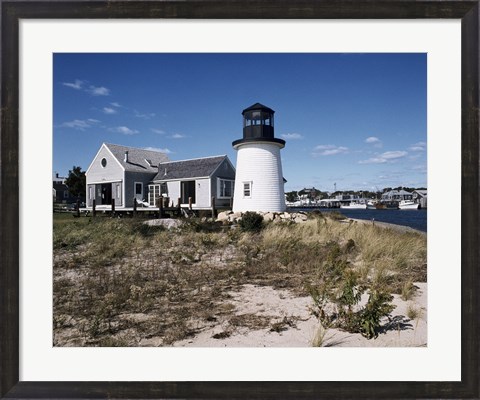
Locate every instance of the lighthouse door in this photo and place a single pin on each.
(188, 190)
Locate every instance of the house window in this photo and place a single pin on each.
(138, 188)
(65, 194)
(90, 193)
(118, 191)
(153, 194)
(156, 191)
(225, 188)
(104, 162)
(247, 189)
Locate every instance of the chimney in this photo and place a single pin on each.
(126, 156)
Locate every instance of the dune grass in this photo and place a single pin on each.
(121, 282)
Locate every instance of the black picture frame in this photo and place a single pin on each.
(13, 11)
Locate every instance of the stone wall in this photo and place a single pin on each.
(234, 217)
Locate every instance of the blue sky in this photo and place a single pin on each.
(357, 120)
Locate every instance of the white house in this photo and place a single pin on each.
(122, 174)
(197, 180)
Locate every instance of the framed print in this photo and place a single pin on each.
(62, 65)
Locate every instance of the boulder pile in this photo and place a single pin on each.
(234, 217)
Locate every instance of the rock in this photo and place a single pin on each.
(223, 216)
(234, 217)
(269, 216)
(302, 216)
(168, 223)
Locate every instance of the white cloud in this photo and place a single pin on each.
(98, 91)
(109, 110)
(166, 151)
(177, 136)
(115, 104)
(394, 154)
(124, 130)
(77, 85)
(376, 142)
(93, 90)
(420, 146)
(291, 136)
(80, 124)
(144, 116)
(387, 157)
(329, 150)
(158, 131)
(372, 139)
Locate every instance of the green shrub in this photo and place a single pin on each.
(340, 285)
(251, 222)
(200, 225)
(377, 307)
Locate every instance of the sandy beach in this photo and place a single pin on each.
(297, 327)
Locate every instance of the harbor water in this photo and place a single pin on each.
(416, 219)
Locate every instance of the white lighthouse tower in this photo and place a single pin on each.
(259, 177)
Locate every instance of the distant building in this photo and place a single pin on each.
(60, 190)
(420, 196)
(259, 184)
(396, 195)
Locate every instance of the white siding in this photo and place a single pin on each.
(113, 171)
(259, 163)
(173, 191)
(202, 193)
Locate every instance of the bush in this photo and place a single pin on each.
(251, 222)
(377, 307)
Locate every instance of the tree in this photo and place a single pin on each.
(292, 196)
(76, 182)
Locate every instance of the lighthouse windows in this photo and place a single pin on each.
(258, 118)
(247, 189)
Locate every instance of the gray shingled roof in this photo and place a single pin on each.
(196, 168)
(139, 160)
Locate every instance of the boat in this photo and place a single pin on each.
(391, 205)
(408, 205)
(354, 205)
(371, 205)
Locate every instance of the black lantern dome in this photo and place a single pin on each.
(258, 125)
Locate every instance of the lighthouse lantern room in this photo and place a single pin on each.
(259, 178)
